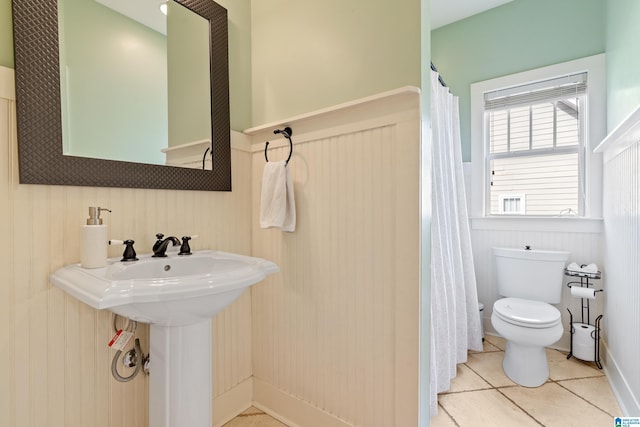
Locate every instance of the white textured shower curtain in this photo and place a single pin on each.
(455, 321)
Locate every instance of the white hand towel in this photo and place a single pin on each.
(591, 268)
(574, 267)
(277, 203)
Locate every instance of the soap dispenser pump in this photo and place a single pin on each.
(94, 240)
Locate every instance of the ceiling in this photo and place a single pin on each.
(445, 12)
(147, 12)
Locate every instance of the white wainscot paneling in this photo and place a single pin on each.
(621, 196)
(336, 331)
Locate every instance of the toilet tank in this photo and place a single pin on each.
(530, 274)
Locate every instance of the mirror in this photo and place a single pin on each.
(40, 143)
(130, 56)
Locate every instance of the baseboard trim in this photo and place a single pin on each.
(233, 402)
(622, 391)
(291, 410)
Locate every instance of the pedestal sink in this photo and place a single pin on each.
(178, 296)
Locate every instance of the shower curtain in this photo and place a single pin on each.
(455, 320)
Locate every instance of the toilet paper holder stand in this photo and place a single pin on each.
(595, 335)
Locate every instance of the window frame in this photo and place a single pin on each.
(594, 128)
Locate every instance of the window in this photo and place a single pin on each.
(534, 136)
(531, 134)
(511, 204)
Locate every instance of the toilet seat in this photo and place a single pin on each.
(526, 313)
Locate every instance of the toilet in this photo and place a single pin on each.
(528, 282)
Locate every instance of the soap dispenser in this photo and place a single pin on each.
(94, 240)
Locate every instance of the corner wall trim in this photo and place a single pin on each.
(623, 136)
(233, 402)
(300, 413)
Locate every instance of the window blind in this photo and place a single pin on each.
(573, 85)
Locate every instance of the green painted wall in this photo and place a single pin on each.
(310, 54)
(6, 34)
(623, 59)
(340, 52)
(239, 21)
(517, 36)
(188, 76)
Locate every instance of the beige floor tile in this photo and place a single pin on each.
(489, 367)
(467, 380)
(486, 347)
(252, 410)
(553, 406)
(442, 419)
(582, 396)
(254, 417)
(499, 342)
(562, 369)
(595, 390)
(484, 408)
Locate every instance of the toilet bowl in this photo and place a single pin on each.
(528, 327)
(529, 282)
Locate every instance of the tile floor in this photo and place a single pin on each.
(576, 394)
(254, 417)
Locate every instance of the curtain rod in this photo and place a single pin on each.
(440, 79)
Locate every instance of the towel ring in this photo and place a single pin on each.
(287, 132)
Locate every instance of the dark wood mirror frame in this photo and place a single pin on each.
(41, 160)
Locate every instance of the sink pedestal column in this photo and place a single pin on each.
(180, 390)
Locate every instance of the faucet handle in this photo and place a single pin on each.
(185, 249)
(158, 241)
(129, 253)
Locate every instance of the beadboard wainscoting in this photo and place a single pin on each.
(621, 150)
(335, 333)
(332, 340)
(54, 358)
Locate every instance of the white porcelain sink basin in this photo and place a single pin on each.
(172, 291)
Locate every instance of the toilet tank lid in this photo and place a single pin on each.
(535, 254)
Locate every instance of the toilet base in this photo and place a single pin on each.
(525, 365)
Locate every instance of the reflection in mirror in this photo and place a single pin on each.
(188, 72)
(153, 93)
(40, 117)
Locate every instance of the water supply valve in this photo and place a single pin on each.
(130, 358)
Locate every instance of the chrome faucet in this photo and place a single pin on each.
(160, 247)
